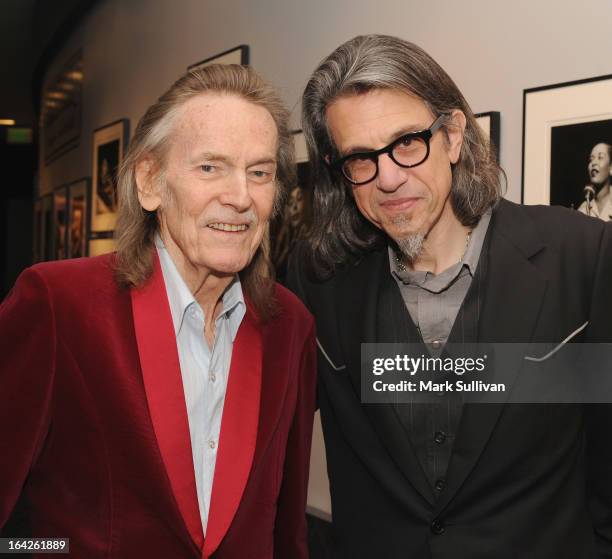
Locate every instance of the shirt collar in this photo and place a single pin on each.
(469, 260)
(474, 248)
(180, 297)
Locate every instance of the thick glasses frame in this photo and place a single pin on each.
(424, 135)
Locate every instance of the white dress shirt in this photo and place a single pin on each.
(204, 371)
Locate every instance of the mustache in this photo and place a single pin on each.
(247, 218)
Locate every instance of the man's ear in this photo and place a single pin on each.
(149, 187)
(454, 131)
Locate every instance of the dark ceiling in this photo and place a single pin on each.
(31, 32)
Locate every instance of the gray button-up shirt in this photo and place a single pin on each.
(433, 301)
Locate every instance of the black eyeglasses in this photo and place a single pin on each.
(407, 151)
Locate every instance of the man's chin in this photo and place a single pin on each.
(410, 245)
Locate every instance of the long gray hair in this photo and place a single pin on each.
(136, 227)
(362, 64)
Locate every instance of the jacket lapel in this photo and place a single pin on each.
(164, 390)
(238, 431)
(357, 305)
(512, 293)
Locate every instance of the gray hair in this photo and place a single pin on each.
(360, 65)
(136, 227)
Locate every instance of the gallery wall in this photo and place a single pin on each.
(133, 50)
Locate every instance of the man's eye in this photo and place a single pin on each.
(208, 168)
(261, 175)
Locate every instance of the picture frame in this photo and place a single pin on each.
(293, 221)
(108, 150)
(235, 55)
(47, 239)
(77, 230)
(561, 124)
(490, 123)
(60, 215)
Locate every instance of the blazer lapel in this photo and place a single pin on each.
(164, 390)
(358, 310)
(238, 431)
(512, 293)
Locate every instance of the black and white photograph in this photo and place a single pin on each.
(293, 221)
(580, 167)
(109, 144)
(567, 133)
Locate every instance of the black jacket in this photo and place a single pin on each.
(525, 480)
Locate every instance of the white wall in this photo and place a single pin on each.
(134, 49)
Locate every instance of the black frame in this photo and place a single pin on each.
(425, 135)
(494, 130)
(527, 92)
(244, 57)
(86, 182)
(124, 137)
(60, 238)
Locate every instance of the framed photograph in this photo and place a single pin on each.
(48, 237)
(76, 239)
(490, 125)
(109, 145)
(294, 219)
(60, 214)
(237, 55)
(567, 134)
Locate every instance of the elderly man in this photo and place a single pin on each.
(598, 201)
(158, 402)
(413, 243)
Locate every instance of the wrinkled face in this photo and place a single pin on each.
(219, 187)
(600, 166)
(403, 202)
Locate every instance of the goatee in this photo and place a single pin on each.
(411, 246)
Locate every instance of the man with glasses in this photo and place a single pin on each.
(412, 242)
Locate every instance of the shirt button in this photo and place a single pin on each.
(212, 377)
(440, 437)
(212, 445)
(436, 344)
(437, 527)
(440, 484)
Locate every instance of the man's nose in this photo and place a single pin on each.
(390, 175)
(236, 192)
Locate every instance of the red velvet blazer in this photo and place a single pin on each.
(93, 423)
